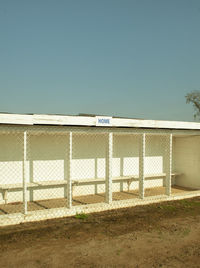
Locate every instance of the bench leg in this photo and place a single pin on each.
(5, 196)
(96, 189)
(128, 184)
(121, 186)
(73, 187)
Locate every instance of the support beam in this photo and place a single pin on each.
(109, 155)
(168, 165)
(69, 169)
(25, 174)
(96, 175)
(141, 165)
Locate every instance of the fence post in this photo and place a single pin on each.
(169, 165)
(25, 174)
(141, 165)
(109, 155)
(69, 168)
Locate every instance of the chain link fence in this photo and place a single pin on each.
(156, 164)
(51, 168)
(11, 172)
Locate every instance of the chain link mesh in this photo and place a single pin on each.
(126, 166)
(11, 170)
(155, 163)
(89, 166)
(46, 169)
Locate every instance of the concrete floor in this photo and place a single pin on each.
(87, 199)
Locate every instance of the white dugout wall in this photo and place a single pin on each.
(49, 154)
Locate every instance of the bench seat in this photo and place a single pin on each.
(122, 178)
(30, 185)
(52, 183)
(16, 186)
(128, 179)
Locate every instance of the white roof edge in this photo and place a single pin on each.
(45, 119)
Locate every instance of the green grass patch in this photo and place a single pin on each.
(167, 207)
(190, 203)
(81, 216)
(185, 232)
(118, 252)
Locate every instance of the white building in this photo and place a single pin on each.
(51, 157)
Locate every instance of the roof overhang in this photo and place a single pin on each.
(68, 120)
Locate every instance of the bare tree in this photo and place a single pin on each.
(194, 98)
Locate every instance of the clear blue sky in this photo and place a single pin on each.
(134, 58)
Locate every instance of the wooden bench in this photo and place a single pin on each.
(127, 179)
(30, 185)
(13, 186)
(34, 185)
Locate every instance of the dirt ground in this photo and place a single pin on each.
(159, 235)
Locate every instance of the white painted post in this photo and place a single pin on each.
(109, 155)
(25, 175)
(141, 165)
(169, 165)
(69, 182)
